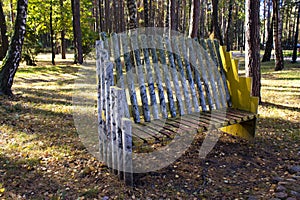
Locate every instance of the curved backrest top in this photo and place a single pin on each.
(163, 77)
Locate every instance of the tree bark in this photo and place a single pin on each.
(279, 64)
(52, 34)
(146, 13)
(172, 15)
(228, 28)
(194, 19)
(216, 32)
(77, 32)
(63, 32)
(4, 37)
(101, 15)
(11, 62)
(131, 5)
(294, 57)
(252, 54)
(269, 45)
(107, 16)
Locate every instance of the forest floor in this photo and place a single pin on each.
(42, 156)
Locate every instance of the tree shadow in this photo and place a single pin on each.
(269, 104)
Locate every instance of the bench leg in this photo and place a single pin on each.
(245, 129)
(127, 151)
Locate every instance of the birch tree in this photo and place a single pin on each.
(12, 60)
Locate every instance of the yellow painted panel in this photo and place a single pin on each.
(239, 87)
(239, 130)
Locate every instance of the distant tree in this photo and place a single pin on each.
(228, 34)
(172, 15)
(131, 6)
(77, 31)
(277, 27)
(194, 18)
(146, 13)
(11, 62)
(294, 57)
(269, 44)
(4, 38)
(216, 32)
(252, 47)
(52, 33)
(63, 31)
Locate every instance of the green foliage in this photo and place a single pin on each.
(31, 47)
(38, 25)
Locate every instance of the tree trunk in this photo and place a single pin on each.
(63, 32)
(167, 14)
(269, 45)
(172, 15)
(194, 18)
(183, 17)
(12, 60)
(216, 32)
(52, 34)
(294, 57)
(131, 5)
(107, 17)
(146, 13)
(4, 38)
(77, 32)
(101, 15)
(279, 65)
(202, 28)
(96, 14)
(228, 28)
(252, 54)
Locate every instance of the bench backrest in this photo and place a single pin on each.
(161, 77)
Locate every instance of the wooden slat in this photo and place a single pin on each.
(130, 77)
(243, 114)
(127, 153)
(163, 106)
(174, 76)
(220, 64)
(155, 130)
(113, 128)
(207, 75)
(119, 70)
(166, 75)
(211, 124)
(162, 134)
(192, 56)
(212, 51)
(140, 75)
(144, 45)
(213, 67)
(208, 116)
(101, 132)
(229, 115)
(177, 55)
(108, 82)
(104, 37)
(144, 134)
(189, 75)
(189, 123)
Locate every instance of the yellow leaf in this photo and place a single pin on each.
(2, 190)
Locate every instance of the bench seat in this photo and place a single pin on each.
(147, 134)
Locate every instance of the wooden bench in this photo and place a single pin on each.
(153, 90)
